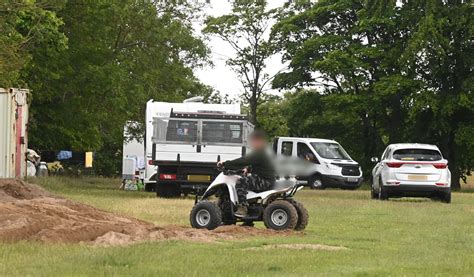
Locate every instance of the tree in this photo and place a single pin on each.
(120, 54)
(441, 54)
(25, 27)
(246, 30)
(401, 71)
(272, 114)
(345, 49)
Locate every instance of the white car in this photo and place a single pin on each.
(415, 170)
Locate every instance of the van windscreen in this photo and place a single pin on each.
(330, 150)
(417, 155)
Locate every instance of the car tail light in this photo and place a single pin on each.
(394, 164)
(440, 165)
(442, 184)
(150, 162)
(167, 176)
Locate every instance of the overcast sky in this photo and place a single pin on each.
(221, 77)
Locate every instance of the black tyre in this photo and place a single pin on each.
(316, 182)
(446, 197)
(383, 194)
(248, 223)
(303, 215)
(150, 187)
(205, 215)
(168, 190)
(280, 215)
(349, 188)
(373, 193)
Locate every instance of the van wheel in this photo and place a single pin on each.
(315, 182)
(280, 215)
(205, 215)
(168, 190)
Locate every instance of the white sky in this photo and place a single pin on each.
(221, 77)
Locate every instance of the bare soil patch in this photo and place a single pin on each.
(299, 247)
(27, 212)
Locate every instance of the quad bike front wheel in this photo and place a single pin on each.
(205, 215)
(280, 215)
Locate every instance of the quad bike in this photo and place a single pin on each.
(275, 207)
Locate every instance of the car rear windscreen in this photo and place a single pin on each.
(417, 155)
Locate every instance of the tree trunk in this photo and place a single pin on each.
(455, 179)
(455, 170)
(253, 103)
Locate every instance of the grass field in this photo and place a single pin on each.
(469, 185)
(399, 237)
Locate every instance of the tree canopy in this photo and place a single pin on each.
(384, 72)
(93, 65)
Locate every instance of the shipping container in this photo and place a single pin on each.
(13, 132)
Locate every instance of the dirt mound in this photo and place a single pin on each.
(11, 189)
(27, 212)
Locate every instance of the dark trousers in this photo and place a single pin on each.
(251, 182)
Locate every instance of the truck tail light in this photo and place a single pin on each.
(394, 164)
(440, 165)
(167, 176)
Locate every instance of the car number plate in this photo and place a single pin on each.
(417, 177)
(199, 178)
(352, 180)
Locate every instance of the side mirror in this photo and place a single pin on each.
(374, 159)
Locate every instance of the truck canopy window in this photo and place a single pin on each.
(181, 130)
(223, 132)
(417, 155)
(330, 150)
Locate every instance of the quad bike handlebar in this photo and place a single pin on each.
(226, 171)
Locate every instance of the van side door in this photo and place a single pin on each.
(303, 151)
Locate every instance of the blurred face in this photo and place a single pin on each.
(257, 143)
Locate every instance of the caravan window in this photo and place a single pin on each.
(181, 130)
(223, 132)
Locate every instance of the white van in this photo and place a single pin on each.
(330, 165)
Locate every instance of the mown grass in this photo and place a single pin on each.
(399, 237)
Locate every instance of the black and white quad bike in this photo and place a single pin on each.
(275, 207)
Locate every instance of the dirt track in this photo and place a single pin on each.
(27, 212)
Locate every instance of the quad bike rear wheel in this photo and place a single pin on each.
(303, 215)
(280, 215)
(205, 215)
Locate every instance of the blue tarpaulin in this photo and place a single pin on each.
(64, 155)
